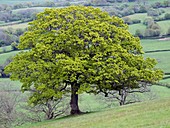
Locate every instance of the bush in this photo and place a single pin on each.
(127, 20)
(159, 18)
(154, 26)
(153, 12)
(151, 32)
(111, 1)
(14, 46)
(127, 11)
(148, 21)
(167, 16)
(8, 36)
(161, 4)
(139, 33)
(136, 21)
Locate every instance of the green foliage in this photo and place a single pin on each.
(14, 46)
(81, 47)
(167, 16)
(139, 33)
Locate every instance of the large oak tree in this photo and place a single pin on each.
(79, 49)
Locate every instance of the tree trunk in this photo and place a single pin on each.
(49, 111)
(74, 100)
(123, 95)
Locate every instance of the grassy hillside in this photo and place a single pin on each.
(19, 1)
(140, 115)
(5, 56)
(155, 44)
(15, 26)
(160, 50)
(165, 25)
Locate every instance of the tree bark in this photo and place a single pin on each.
(74, 100)
(123, 95)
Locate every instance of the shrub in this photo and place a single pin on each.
(136, 21)
(14, 46)
(127, 20)
(148, 21)
(154, 26)
(159, 18)
(153, 12)
(151, 32)
(139, 33)
(167, 16)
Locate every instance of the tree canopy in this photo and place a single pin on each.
(79, 49)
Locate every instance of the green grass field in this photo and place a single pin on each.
(134, 27)
(5, 48)
(150, 114)
(155, 44)
(163, 57)
(15, 26)
(20, 1)
(5, 56)
(165, 25)
(140, 16)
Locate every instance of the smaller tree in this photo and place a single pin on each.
(8, 103)
(50, 107)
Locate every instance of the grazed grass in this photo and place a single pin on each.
(163, 58)
(134, 27)
(165, 25)
(15, 26)
(5, 56)
(5, 48)
(155, 44)
(151, 114)
(140, 16)
(19, 1)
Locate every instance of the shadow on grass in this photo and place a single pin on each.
(70, 116)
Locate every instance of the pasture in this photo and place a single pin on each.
(20, 1)
(160, 50)
(5, 56)
(5, 48)
(165, 25)
(139, 115)
(15, 26)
